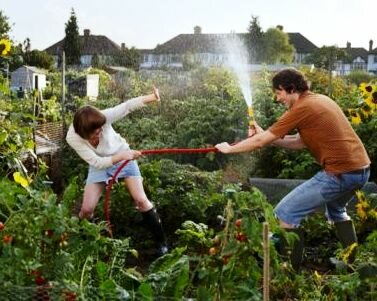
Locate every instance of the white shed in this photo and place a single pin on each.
(27, 79)
(85, 86)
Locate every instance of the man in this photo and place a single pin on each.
(325, 131)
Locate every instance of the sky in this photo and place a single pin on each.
(145, 23)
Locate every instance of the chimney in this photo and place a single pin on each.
(348, 45)
(123, 46)
(86, 32)
(197, 30)
(370, 45)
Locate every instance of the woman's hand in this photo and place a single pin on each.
(131, 154)
(125, 155)
(154, 96)
(156, 93)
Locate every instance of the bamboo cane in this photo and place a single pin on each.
(266, 263)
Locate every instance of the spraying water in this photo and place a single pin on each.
(238, 62)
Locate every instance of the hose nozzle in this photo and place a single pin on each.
(250, 113)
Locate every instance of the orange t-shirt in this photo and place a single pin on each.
(326, 132)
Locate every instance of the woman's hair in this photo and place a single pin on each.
(86, 120)
(291, 80)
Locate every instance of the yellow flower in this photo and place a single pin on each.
(360, 210)
(367, 89)
(365, 111)
(19, 179)
(373, 213)
(348, 251)
(355, 116)
(362, 204)
(317, 277)
(371, 100)
(4, 47)
(360, 195)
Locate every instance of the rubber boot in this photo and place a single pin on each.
(346, 234)
(153, 222)
(294, 252)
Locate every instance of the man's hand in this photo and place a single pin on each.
(256, 129)
(224, 147)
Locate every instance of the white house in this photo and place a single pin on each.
(208, 49)
(27, 78)
(91, 46)
(359, 59)
(372, 58)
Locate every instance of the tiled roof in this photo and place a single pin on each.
(202, 43)
(355, 52)
(212, 43)
(301, 44)
(91, 44)
(374, 51)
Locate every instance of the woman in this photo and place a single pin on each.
(93, 138)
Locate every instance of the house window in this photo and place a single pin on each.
(375, 59)
(359, 65)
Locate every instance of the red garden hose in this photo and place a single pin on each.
(146, 152)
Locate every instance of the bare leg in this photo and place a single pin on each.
(136, 189)
(149, 213)
(92, 194)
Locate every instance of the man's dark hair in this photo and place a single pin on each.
(291, 80)
(86, 120)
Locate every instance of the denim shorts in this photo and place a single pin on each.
(323, 191)
(103, 175)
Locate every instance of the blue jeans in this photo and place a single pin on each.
(324, 190)
(103, 175)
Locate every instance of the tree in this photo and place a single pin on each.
(255, 40)
(72, 41)
(326, 57)
(39, 59)
(276, 47)
(5, 27)
(27, 45)
(128, 57)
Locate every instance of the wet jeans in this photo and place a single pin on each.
(324, 190)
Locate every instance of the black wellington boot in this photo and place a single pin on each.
(296, 251)
(153, 222)
(346, 234)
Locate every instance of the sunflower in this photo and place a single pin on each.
(365, 111)
(371, 100)
(367, 88)
(355, 116)
(4, 47)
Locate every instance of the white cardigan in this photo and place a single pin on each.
(110, 142)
